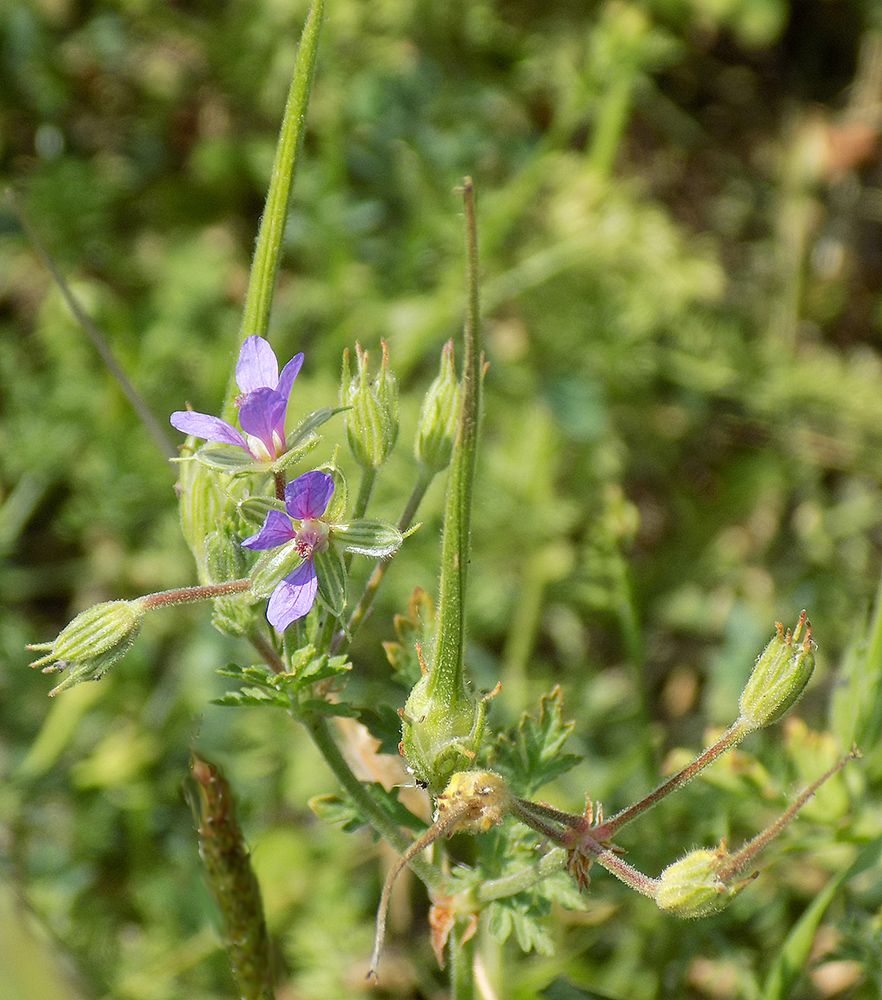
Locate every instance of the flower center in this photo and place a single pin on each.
(311, 535)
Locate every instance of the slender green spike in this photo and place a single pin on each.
(268, 249)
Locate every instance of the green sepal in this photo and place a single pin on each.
(92, 642)
(374, 539)
(294, 455)
(229, 459)
(339, 502)
(254, 509)
(227, 560)
(331, 573)
(272, 565)
(691, 887)
(310, 424)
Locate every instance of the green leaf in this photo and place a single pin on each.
(331, 572)
(524, 916)
(253, 696)
(339, 708)
(262, 687)
(384, 723)
(531, 756)
(341, 809)
(319, 668)
(368, 538)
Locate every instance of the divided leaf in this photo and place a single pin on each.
(259, 686)
(341, 809)
(531, 756)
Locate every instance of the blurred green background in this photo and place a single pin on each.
(680, 210)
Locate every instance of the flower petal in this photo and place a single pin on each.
(203, 425)
(289, 373)
(276, 530)
(257, 367)
(262, 412)
(307, 496)
(293, 596)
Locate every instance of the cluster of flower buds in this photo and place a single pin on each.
(372, 409)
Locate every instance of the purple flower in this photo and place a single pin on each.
(306, 499)
(262, 404)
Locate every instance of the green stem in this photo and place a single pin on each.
(509, 885)
(365, 488)
(268, 249)
(462, 962)
(319, 732)
(446, 673)
(181, 595)
(732, 737)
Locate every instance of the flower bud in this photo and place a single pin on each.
(440, 734)
(202, 508)
(780, 676)
(691, 887)
(226, 560)
(372, 414)
(437, 427)
(92, 642)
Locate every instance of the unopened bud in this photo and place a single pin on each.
(438, 416)
(92, 642)
(780, 676)
(693, 886)
(203, 506)
(372, 414)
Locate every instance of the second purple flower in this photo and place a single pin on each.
(306, 499)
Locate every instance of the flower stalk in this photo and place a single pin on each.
(268, 248)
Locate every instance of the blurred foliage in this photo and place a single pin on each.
(679, 205)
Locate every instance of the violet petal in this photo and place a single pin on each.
(289, 373)
(257, 367)
(262, 412)
(203, 425)
(276, 530)
(307, 496)
(293, 596)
